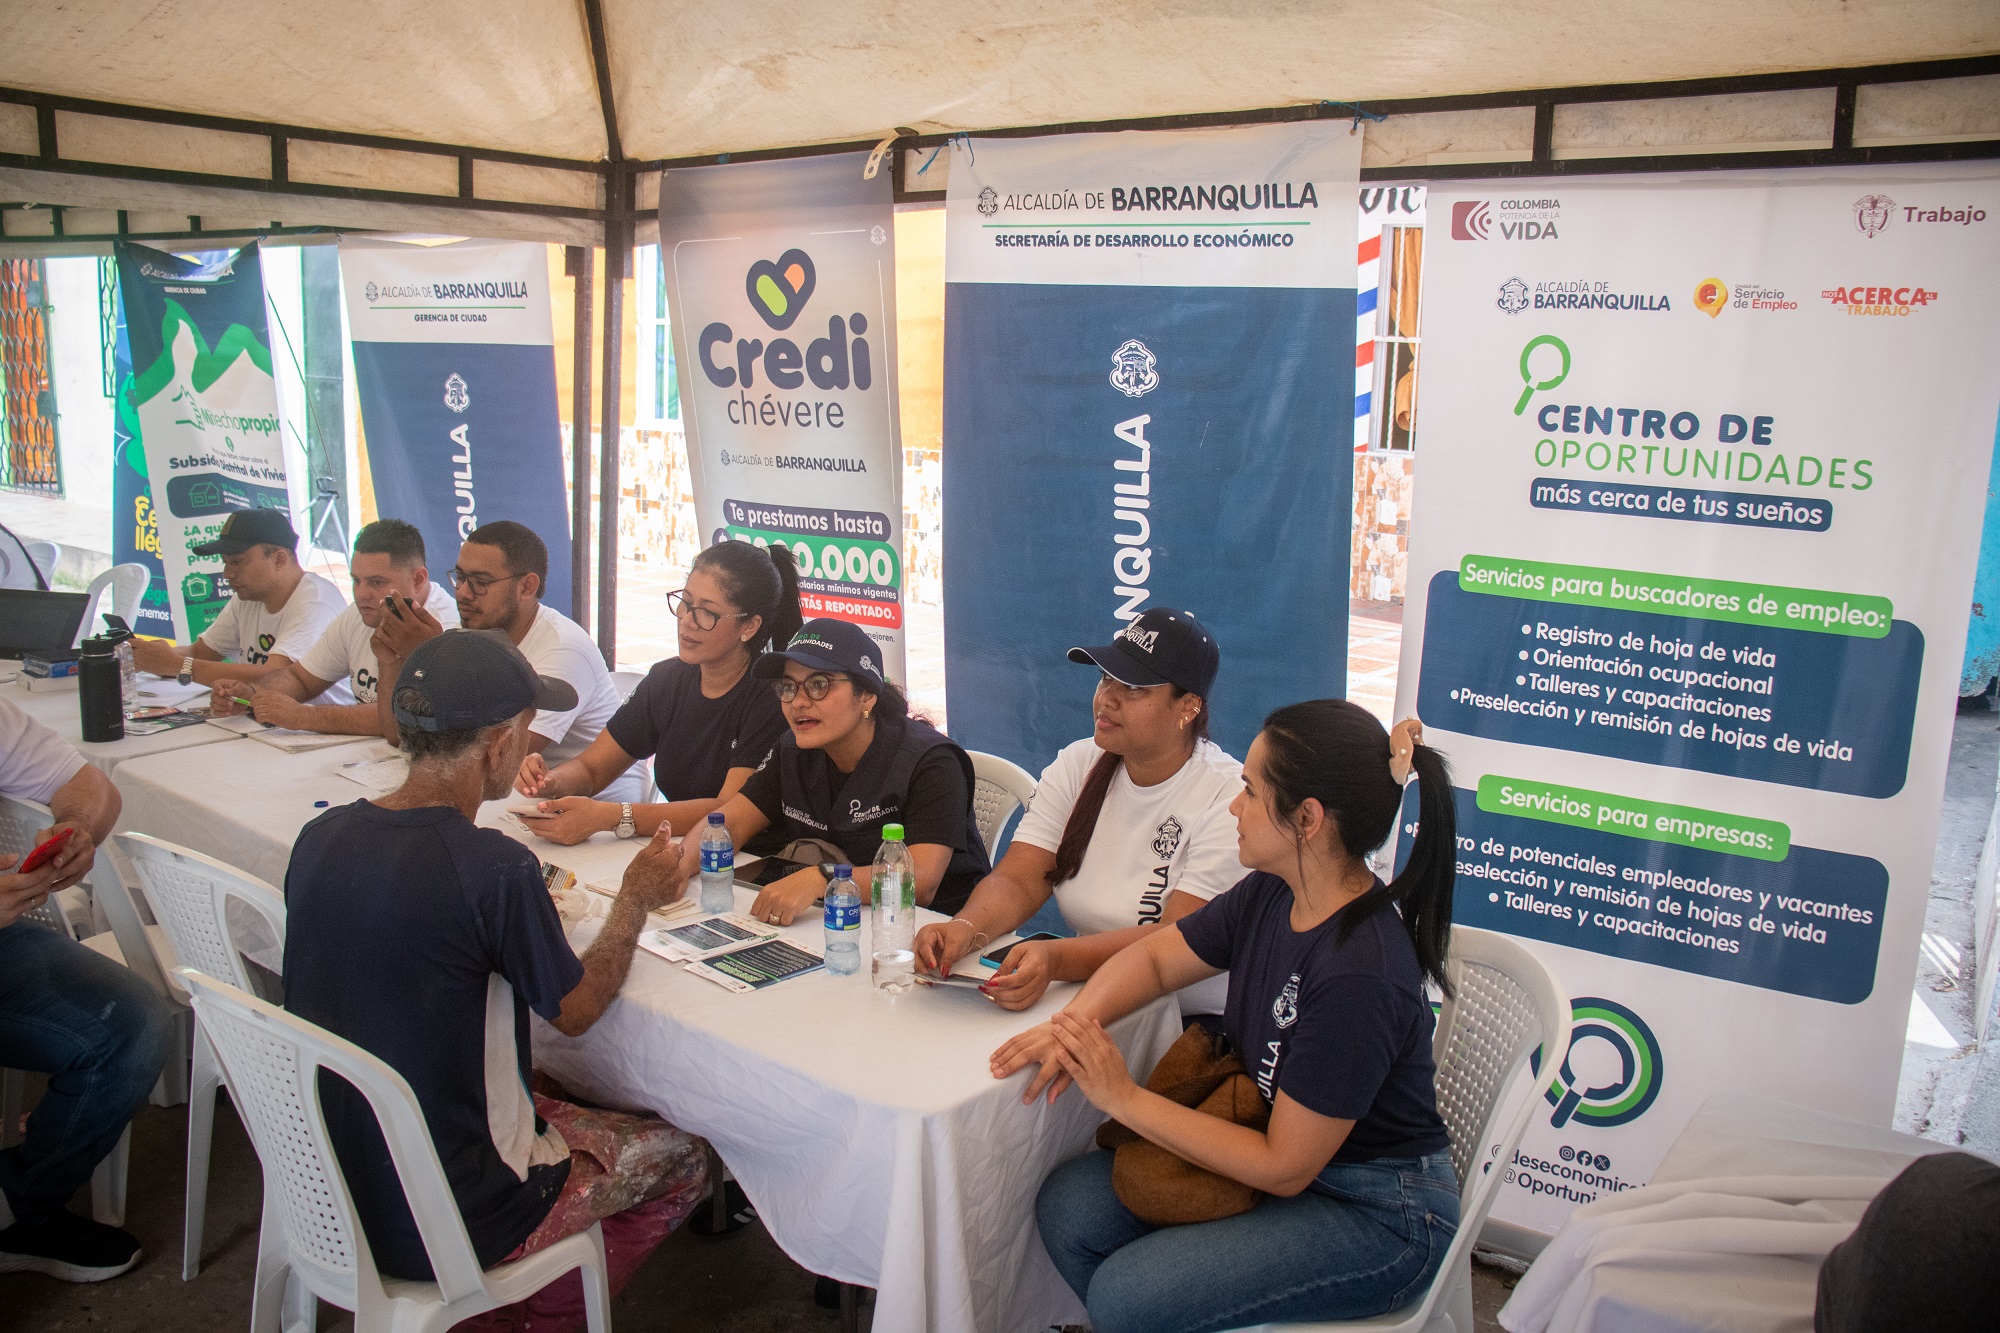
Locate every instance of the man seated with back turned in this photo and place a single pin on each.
(332, 687)
(276, 610)
(501, 570)
(426, 940)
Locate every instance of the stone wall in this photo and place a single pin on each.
(1381, 550)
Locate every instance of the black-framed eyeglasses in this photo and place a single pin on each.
(816, 686)
(480, 582)
(703, 618)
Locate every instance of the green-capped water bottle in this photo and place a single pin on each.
(894, 921)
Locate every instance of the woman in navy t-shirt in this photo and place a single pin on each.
(1328, 1011)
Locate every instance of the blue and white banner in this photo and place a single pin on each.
(455, 357)
(1148, 338)
(1703, 479)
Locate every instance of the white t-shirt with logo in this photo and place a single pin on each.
(247, 631)
(1151, 842)
(345, 654)
(557, 646)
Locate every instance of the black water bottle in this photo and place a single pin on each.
(100, 692)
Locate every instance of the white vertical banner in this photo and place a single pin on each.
(781, 279)
(1689, 573)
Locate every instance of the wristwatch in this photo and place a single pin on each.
(186, 676)
(626, 828)
(827, 869)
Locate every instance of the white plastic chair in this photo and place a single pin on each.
(999, 788)
(190, 894)
(625, 682)
(46, 555)
(19, 822)
(1507, 1004)
(127, 586)
(310, 1230)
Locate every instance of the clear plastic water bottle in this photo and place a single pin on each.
(128, 678)
(894, 925)
(843, 923)
(718, 867)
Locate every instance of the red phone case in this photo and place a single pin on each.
(45, 853)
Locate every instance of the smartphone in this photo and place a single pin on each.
(392, 606)
(45, 853)
(769, 870)
(999, 955)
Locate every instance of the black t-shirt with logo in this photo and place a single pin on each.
(935, 810)
(695, 740)
(1343, 1027)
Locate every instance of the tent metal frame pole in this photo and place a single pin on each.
(617, 267)
(578, 265)
(619, 184)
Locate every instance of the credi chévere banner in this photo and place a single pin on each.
(1699, 498)
(782, 281)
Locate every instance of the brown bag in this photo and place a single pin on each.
(1160, 1187)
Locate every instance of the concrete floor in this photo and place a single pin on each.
(733, 1284)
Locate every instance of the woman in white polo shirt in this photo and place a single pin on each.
(1129, 829)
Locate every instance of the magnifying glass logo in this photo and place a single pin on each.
(1528, 375)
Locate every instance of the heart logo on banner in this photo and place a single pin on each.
(779, 291)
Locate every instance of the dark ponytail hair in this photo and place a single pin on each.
(1338, 754)
(1082, 822)
(890, 702)
(761, 582)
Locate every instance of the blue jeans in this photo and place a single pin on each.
(1370, 1242)
(99, 1033)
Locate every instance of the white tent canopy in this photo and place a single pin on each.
(380, 96)
(710, 76)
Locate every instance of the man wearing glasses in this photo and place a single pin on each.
(498, 580)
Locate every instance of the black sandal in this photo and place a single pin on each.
(739, 1212)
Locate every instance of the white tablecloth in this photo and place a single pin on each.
(1729, 1234)
(865, 1127)
(57, 710)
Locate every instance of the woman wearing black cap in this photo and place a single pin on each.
(704, 719)
(853, 763)
(1129, 829)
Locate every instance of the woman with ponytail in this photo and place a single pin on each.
(1129, 829)
(1356, 1199)
(705, 721)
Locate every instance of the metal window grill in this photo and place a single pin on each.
(107, 322)
(1398, 339)
(28, 460)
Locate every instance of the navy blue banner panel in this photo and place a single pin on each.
(1113, 448)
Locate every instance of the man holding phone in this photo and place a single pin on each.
(332, 687)
(97, 1031)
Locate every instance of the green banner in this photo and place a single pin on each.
(1677, 595)
(1635, 817)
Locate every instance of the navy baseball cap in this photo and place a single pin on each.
(827, 645)
(1161, 647)
(251, 527)
(474, 678)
